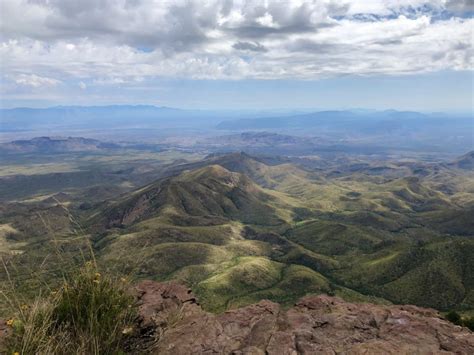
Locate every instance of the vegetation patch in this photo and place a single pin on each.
(90, 313)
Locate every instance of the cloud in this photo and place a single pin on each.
(249, 46)
(35, 81)
(111, 42)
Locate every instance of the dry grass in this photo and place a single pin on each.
(89, 314)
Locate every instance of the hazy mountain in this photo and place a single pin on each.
(370, 132)
(116, 116)
(363, 121)
(89, 116)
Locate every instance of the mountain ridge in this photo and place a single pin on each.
(292, 218)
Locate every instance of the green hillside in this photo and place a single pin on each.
(237, 230)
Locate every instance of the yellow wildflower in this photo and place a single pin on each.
(127, 330)
(97, 275)
(10, 322)
(24, 307)
(95, 281)
(16, 353)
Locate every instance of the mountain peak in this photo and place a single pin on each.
(210, 191)
(213, 171)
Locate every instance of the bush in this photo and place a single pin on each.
(469, 322)
(454, 317)
(90, 314)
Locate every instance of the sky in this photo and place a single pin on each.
(322, 54)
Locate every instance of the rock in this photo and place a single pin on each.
(160, 301)
(160, 306)
(172, 320)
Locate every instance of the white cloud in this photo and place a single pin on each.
(116, 42)
(34, 80)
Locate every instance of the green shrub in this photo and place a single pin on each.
(454, 317)
(469, 322)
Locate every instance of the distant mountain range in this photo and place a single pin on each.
(372, 130)
(362, 120)
(147, 115)
(92, 116)
(369, 130)
(114, 116)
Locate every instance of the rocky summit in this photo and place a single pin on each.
(173, 321)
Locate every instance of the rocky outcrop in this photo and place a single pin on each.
(172, 320)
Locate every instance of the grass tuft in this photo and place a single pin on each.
(90, 314)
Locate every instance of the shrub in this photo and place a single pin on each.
(469, 322)
(454, 317)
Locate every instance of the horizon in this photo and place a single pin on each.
(451, 90)
(276, 110)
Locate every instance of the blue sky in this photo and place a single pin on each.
(406, 54)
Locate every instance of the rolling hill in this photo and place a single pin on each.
(218, 223)
(238, 228)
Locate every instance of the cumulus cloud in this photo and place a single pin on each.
(110, 42)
